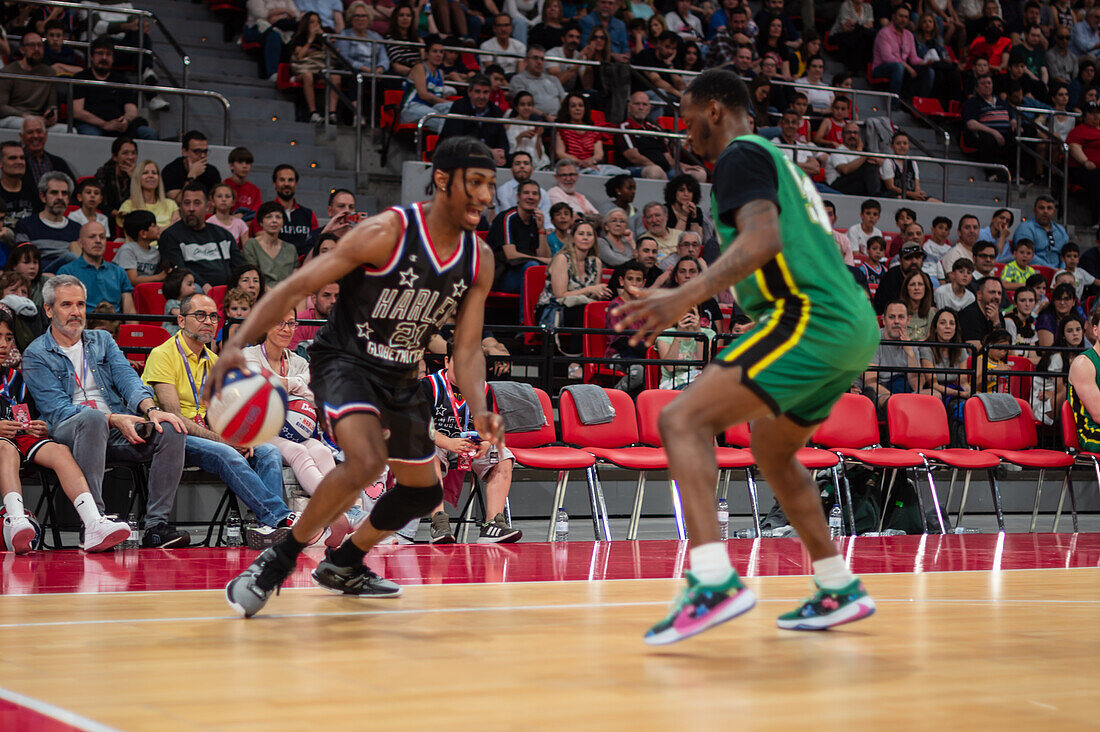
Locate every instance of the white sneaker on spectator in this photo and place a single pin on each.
(19, 534)
(105, 534)
(149, 76)
(316, 119)
(159, 104)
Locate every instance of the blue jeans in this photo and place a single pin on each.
(511, 280)
(258, 481)
(896, 73)
(140, 131)
(271, 44)
(414, 110)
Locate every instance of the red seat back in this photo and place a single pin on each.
(1046, 272)
(851, 423)
(619, 432)
(1069, 428)
(536, 438)
(111, 250)
(149, 299)
(652, 372)
(140, 335)
(649, 406)
(738, 435)
(534, 279)
(1010, 434)
(917, 421)
(1020, 386)
(594, 345)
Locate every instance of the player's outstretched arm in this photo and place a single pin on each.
(371, 243)
(469, 359)
(757, 243)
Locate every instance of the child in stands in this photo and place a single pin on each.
(177, 285)
(138, 256)
(875, 266)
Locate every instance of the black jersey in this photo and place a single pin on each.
(385, 316)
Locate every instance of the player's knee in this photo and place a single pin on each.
(364, 466)
(672, 422)
(402, 504)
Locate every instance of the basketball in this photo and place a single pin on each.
(249, 409)
(5, 543)
(301, 421)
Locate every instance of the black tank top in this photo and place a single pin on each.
(384, 317)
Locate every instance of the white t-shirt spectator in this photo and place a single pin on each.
(944, 297)
(132, 256)
(689, 28)
(858, 237)
(85, 390)
(842, 156)
(1081, 279)
(820, 99)
(100, 217)
(933, 253)
(507, 63)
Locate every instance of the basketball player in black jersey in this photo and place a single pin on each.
(402, 274)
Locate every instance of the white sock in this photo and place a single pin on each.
(85, 506)
(14, 503)
(832, 573)
(710, 563)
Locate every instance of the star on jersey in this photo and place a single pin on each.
(459, 288)
(409, 277)
(364, 331)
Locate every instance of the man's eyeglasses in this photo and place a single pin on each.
(203, 317)
(292, 324)
(567, 175)
(200, 151)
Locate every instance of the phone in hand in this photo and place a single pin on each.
(355, 217)
(473, 437)
(145, 430)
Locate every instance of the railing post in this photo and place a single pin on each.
(359, 123)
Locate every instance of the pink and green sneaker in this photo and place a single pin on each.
(829, 608)
(699, 607)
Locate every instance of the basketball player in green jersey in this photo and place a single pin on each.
(815, 333)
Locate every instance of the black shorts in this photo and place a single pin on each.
(344, 385)
(27, 445)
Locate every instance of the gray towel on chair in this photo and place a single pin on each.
(519, 406)
(999, 407)
(593, 404)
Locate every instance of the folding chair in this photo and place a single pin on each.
(1080, 457)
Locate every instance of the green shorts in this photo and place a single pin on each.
(799, 366)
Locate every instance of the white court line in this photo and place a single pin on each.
(500, 608)
(53, 712)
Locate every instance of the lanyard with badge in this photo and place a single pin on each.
(464, 460)
(282, 360)
(80, 382)
(195, 391)
(21, 413)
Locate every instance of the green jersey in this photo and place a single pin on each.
(806, 293)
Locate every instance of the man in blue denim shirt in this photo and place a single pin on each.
(90, 397)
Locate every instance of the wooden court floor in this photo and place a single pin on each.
(946, 650)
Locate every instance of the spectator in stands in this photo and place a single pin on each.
(236, 305)
(49, 230)
(937, 245)
(842, 242)
(867, 227)
(192, 166)
(952, 388)
(602, 14)
(1020, 321)
(26, 261)
(321, 304)
(517, 239)
(853, 33)
(1063, 303)
(562, 218)
(916, 293)
(882, 378)
(1084, 152)
(103, 281)
(900, 176)
(1015, 274)
(502, 42)
(247, 277)
(1085, 36)
(999, 232)
(369, 58)
(550, 30)
(650, 157)
(655, 220)
(62, 58)
(616, 246)
(527, 139)
(273, 257)
(1061, 60)
(983, 316)
(21, 98)
(270, 23)
(147, 194)
(572, 281)
(661, 55)
(613, 75)
(647, 257)
(89, 196)
(403, 28)
(307, 60)
(208, 250)
(809, 161)
(964, 247)
(329, 12)
(895, 57)
(849, 172)
(106, 111)
(583, 146)
(830, 133)
(956, 294)
(1048, 393)
(732, 16)
(115, 175)
(521, 172)
(545, 88)
(891, 286)
(819, 99)
(476, 104)
(690, 245)
(39, 161)
(728, 40)
(620, 190)
(690, 58)
(136, 256)
(18, 196)
(299, 220)
(248, 194)
(990, 125)
(339, 209)
(626, 281)
(682, 195)
(683, 22)
(683, 348)
(985, 253)
(1071, 257)
(425, 89)
(175, 371)
(565, 173)
(570, 75)
(224, 203)
(90, 398)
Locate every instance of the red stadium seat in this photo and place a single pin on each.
(534, 279)
(149, 299)
(594, 345)
(141, 335)
(111, 249)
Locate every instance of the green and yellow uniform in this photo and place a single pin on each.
(816, 332)
(1088, 432)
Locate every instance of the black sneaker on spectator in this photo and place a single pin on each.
(358, 581)
(162, 536)
(441, 529)
(498, 531)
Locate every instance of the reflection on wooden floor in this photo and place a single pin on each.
(1015, 648)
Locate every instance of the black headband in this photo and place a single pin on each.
(453, 162)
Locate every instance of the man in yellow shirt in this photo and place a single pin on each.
(176, 370)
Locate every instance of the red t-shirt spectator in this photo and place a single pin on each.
(991, 52)
(1089, 140)
(579, 145)
(248, 194)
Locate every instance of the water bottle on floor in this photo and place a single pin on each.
(836, 524)
(723, 519)
(233, 529)
(561, 526)
(134, 540)
(964, 530)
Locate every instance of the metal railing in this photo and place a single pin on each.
(72, 82)
(1052, 141)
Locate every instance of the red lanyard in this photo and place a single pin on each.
(83, 369)
(454, 402)
(283, 367)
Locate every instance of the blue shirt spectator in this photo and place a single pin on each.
(1048, 236)
(331, 12)
(616, 29)
(103, 281)
(359, 55)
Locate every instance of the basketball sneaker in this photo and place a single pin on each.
(357, 581)
(441, 529)
(498, 531)
(248, 592)
(699, 607)
(829, 608)
(162, 536)
(19, 534)
(105, 534)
